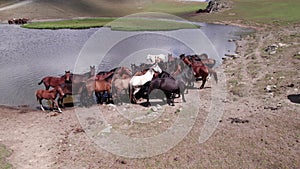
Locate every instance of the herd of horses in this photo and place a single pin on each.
(18, 21)
(122, 84)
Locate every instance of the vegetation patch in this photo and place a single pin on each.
(253, 12)
(4, 152)
(124, 24)
(70, 24)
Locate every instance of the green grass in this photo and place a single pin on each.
(125, 24)
(270, 12)
(136, 24)
(73, 24)
(175, 8)
(4, 152)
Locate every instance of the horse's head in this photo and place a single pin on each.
(182, 56)
(92, 71)
(67, 76)
(156, 68)
(60, 91)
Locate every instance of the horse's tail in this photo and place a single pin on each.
(214, 73)
(41, 82)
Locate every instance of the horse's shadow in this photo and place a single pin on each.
(153, 103)
(294, 98)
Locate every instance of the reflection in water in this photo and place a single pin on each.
(29, 55)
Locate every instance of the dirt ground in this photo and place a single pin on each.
(259, 128)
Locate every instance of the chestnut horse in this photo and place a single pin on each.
(102, 89)
(204, 59)
(49, 95)
(51, 81)
(199, 69)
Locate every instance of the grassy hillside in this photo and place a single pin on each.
(279, 12)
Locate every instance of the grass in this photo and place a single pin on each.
(270, 12)
(4, 152)
(125, 24)
(73, 24)
(101, 14)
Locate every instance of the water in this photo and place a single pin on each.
(28, 55)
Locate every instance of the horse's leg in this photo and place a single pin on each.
(40, 101)
(54, 102)
(100, 97)
(203, 83)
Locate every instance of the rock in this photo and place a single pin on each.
(270, 88)
(107, 129)
(234, 56)
(154, 109)
(272, 52)
(237, 120)
(111, 105)
(158, 107)
(282, 45)
(215, 6)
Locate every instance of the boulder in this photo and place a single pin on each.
(215, 6)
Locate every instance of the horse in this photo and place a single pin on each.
(120, 82)
(71, 89)
(77, 78)
(49, 95)
(105, 75)
(169, 86)
(102, 89)
(156, 58)
(204, 59)
(199, 69)
(51, 81)
(137, 81)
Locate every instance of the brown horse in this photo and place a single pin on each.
(120, 82)
(102, 89)
(204, 59)
(51, 81)
(199, 69)
(71, 89)
(77, 78)
(49, 95)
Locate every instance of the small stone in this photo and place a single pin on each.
(272, 52)
(154, 109)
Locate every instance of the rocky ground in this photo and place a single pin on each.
(259, 127)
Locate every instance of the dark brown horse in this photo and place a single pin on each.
(199, 69)
(49, 95)
(51, 81)
(170, 87)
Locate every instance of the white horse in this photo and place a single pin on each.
(137, 81)
(156, 58)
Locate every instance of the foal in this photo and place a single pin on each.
(49, 95)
